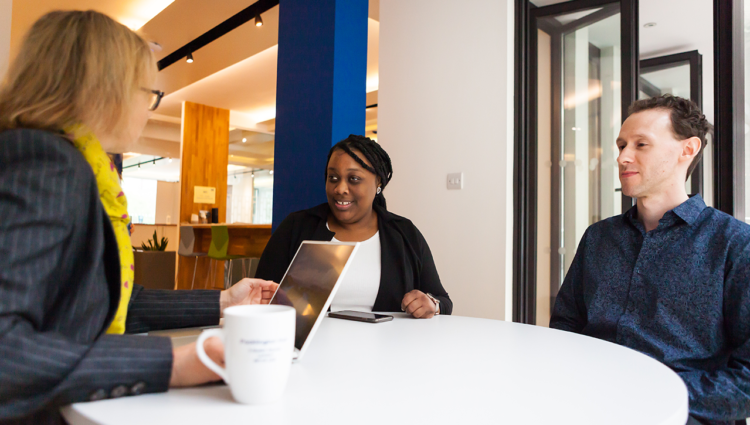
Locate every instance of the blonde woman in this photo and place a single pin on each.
(83, 85)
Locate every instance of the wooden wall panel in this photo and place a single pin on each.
(204, 157)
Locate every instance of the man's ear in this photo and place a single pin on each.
(690, 149)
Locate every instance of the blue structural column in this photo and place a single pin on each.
(320, 94)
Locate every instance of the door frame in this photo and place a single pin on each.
(729, 108)
(525, 158)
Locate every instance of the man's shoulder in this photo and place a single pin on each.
(722, 227)
(723, 220)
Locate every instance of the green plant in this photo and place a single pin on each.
(155, 245)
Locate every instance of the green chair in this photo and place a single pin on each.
(218, 251)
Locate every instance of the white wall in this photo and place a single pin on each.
(446, 105)
(167, 202)
(6, 8)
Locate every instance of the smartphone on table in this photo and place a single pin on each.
(360, 316)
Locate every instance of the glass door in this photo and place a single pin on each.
(582, 80)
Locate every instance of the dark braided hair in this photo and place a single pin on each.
(381, 162)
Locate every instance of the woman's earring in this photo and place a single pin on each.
(379, 190)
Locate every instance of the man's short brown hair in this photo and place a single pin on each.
(687, 120)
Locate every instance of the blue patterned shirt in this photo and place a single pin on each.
(679, 293)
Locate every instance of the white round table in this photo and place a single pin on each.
(447, 370)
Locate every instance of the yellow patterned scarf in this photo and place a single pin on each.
(116, 205)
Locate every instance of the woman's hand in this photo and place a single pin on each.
(247, 291)
(418, 305)
(187, 368)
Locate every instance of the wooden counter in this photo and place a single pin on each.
(247, 240)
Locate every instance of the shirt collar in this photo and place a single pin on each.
(688, 211)
(691, 209)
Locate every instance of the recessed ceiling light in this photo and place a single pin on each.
(649, 25)
(244, 140)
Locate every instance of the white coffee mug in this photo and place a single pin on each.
(258, 350)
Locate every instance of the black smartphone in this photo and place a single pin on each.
(360, 316)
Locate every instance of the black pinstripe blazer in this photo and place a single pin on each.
(60, 286)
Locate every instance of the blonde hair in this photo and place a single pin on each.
(76, 67)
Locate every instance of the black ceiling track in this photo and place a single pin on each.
(242, 17)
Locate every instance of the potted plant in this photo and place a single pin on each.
(154, 265)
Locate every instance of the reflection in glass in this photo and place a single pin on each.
(309, 281)
(579, 117)
(591, 121)
(674, 80)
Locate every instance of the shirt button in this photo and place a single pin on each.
(97, 395)
(118, 391)
(138, 388)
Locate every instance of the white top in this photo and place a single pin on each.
(360, 286)
(446, 370)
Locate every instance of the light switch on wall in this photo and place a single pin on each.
(456, 181)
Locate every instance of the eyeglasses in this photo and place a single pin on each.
(156, 96)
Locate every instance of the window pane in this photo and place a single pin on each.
(141, 195)
(578, 119)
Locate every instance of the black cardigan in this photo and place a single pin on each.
(406, 260)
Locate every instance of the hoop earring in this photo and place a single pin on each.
(379, 190)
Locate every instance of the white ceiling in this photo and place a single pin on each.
(235, 72)
(171, 31)
(249, 86)
(131, 13)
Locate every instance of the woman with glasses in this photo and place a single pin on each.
(67, 295)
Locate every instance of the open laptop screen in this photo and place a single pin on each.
(309, 282)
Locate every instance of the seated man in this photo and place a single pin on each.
(671, 277)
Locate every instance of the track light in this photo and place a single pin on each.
(258, 20)
(190, 57)
(170, 160)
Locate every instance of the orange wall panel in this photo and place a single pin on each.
(205, 155)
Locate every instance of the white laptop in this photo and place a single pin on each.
(310, 283)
